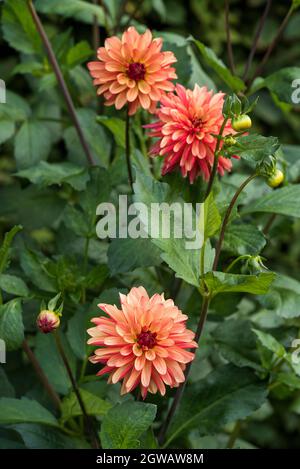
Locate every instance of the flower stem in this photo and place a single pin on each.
(226, 219)
(238, 259)
(216, 160)
(127, 149)
(89, 425)
(61, 81)
(179, 392)
(272, 46)
(234, 435)
(256, 38)
(228, 36)
(202, 318)
(43, 378)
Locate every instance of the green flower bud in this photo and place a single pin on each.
(276, 179)
(241, 123)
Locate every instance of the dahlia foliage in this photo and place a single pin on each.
(144, 343)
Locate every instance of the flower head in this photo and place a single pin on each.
(144, 343)
(133, 70)
(47, 321)
(188, 121)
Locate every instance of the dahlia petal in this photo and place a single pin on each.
(160, 365)
(146, 374)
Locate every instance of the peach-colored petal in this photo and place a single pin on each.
(134, 69)
(142, 344)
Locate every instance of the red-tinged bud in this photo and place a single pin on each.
(47, 321)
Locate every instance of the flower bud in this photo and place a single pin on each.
(229, 141)
(276, 179)
(47, 321)
(242, 122)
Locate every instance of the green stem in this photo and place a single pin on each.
(256, 38)
(127, 149)
(272, 46)
(216, 160)
(180, 389)
(226, 219)
(88, 423)
(228, 37)
(41, 375)
(61, 81)
(202, 320)
(202, 259)
(234, 435)
(238, 259)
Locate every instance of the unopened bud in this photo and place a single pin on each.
(276, 179)
(229, 141)
(47, 321)
(241, 123)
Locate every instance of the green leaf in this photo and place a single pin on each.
(15, 109)
(281, 84)
(32, 144)
(93, 405)
(254, 148)
(175, 251)
(34, 265)
(243, 239)
(287, 291)
(227, 394)
(284, 201)
(24, 410)
(236, 342)
(220, 282)
(124, 424)
(75, 220)
(212, 218)
(78, 9)
(7, 129)
(11, 324)
(95, 136)
(235, 83)
(270, 343)
(116, 127)
(39, 437)
(78, 54)
(13, 285)
(125, 255)
(47, 174)
(97, 191)
(76, 333)
(18, 27)
(6, 388)
(51, 362)
(5, 248)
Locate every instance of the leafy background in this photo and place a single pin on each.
(244, 387)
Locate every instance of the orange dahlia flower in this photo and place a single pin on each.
(144, 343)
(187, 122)
(133, 70)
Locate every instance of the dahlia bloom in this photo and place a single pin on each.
(133, 70)
(144, 343)
(187, 122)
